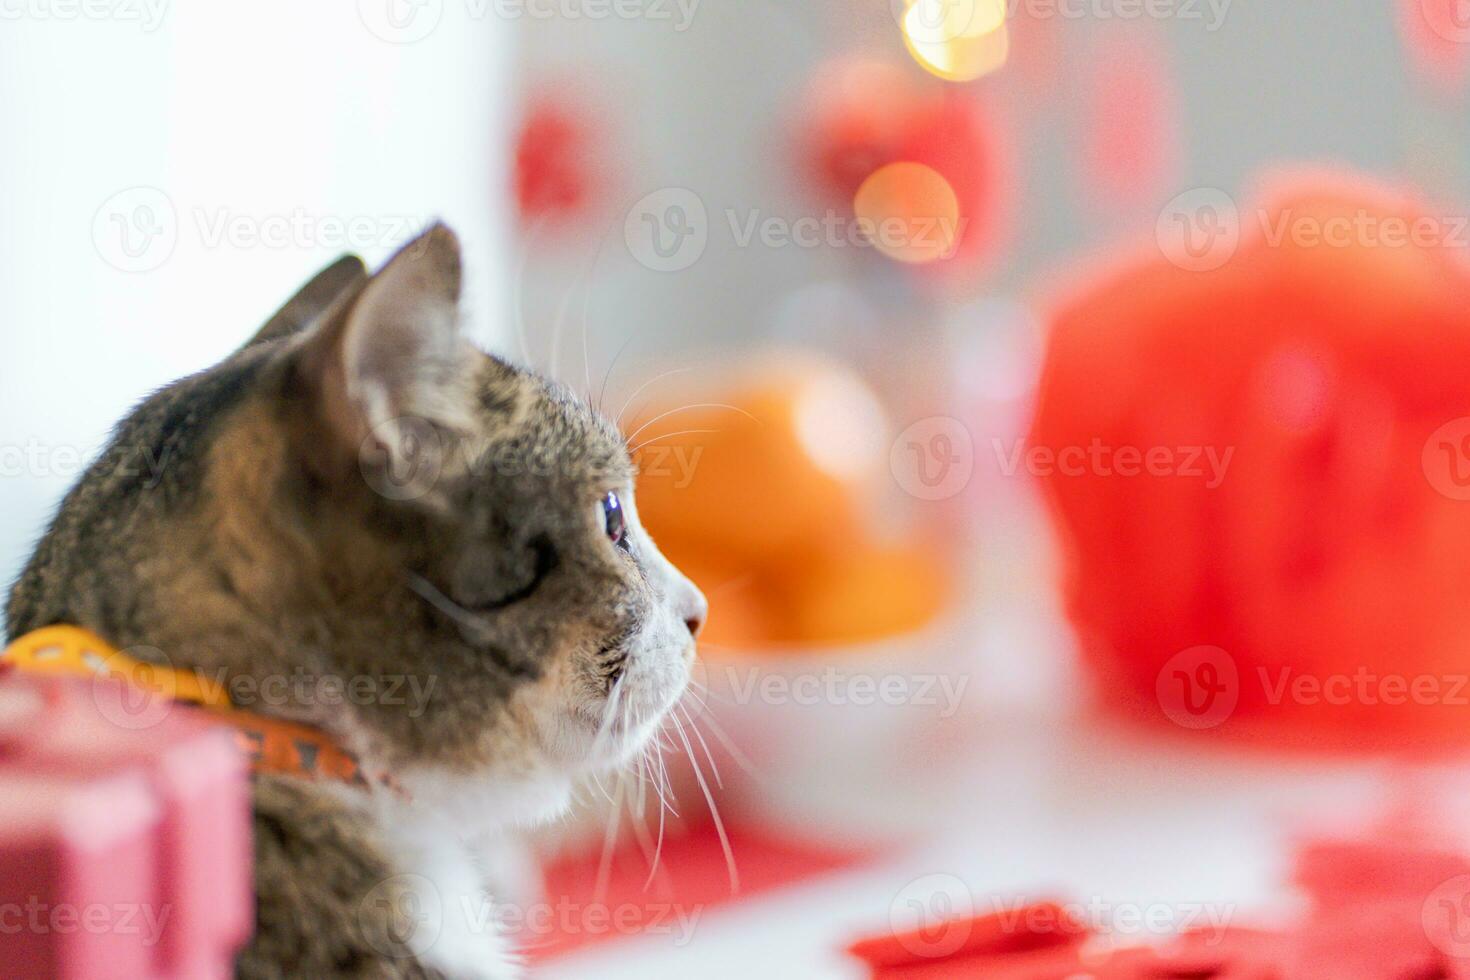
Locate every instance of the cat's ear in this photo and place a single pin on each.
(392, 365)
(313, 299)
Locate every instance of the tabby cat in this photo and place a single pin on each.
(359, 501)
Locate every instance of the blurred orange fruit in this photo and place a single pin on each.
(777, 460)
(759, 487)
(867, 593)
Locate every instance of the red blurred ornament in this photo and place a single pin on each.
(863, 115)
(1285, 548)
(1437, 36)
(958, 138)
(1365, 919)
(856, 121)
(552, 174)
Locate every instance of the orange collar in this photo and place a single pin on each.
(274, 746)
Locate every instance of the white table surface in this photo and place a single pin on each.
(1129, 826)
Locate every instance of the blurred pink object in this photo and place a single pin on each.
(124, 836)
(1437, 36)
(1130, 143)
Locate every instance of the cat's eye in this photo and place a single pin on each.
(614, 521)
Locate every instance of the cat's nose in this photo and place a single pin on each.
(696, 611)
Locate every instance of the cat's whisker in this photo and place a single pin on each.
(639, 390)
(658, 847)
(588, 278)
(666, 790)
(660, 777)
(728, 744)
(716, 589)
(713, 766)
(609, 841)
(697, 686)
(689, 408)
(597, 781)
(587, 307)
(610, 711)
(520, 287)
(637, 804)
(697, 698)
(640, 772)
(668, 435)
(658, 774)
(612, 365)
(553, 366)
(714, 810)
(586, 362)
(652, 850)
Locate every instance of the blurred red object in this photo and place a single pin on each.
(957, 137)
(1042, 926)
(1358, 926)
(124, 836)
(553, 153)
(1437, 36)
(862, 115)
(1258, 457)
(856, 121)
(691, 879)
(1043, 941)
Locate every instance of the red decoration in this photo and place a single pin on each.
(1360, 926)
(954, 135)
(1260, 471)
(691, 879)
(858, 121)
(1437, 36)
(864, 115)
(125, 848)
(552, 163)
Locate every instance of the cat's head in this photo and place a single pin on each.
(359, 496)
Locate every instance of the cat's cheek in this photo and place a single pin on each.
(554, 717)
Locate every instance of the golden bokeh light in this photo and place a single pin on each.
(957, 40)
(909, 212)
